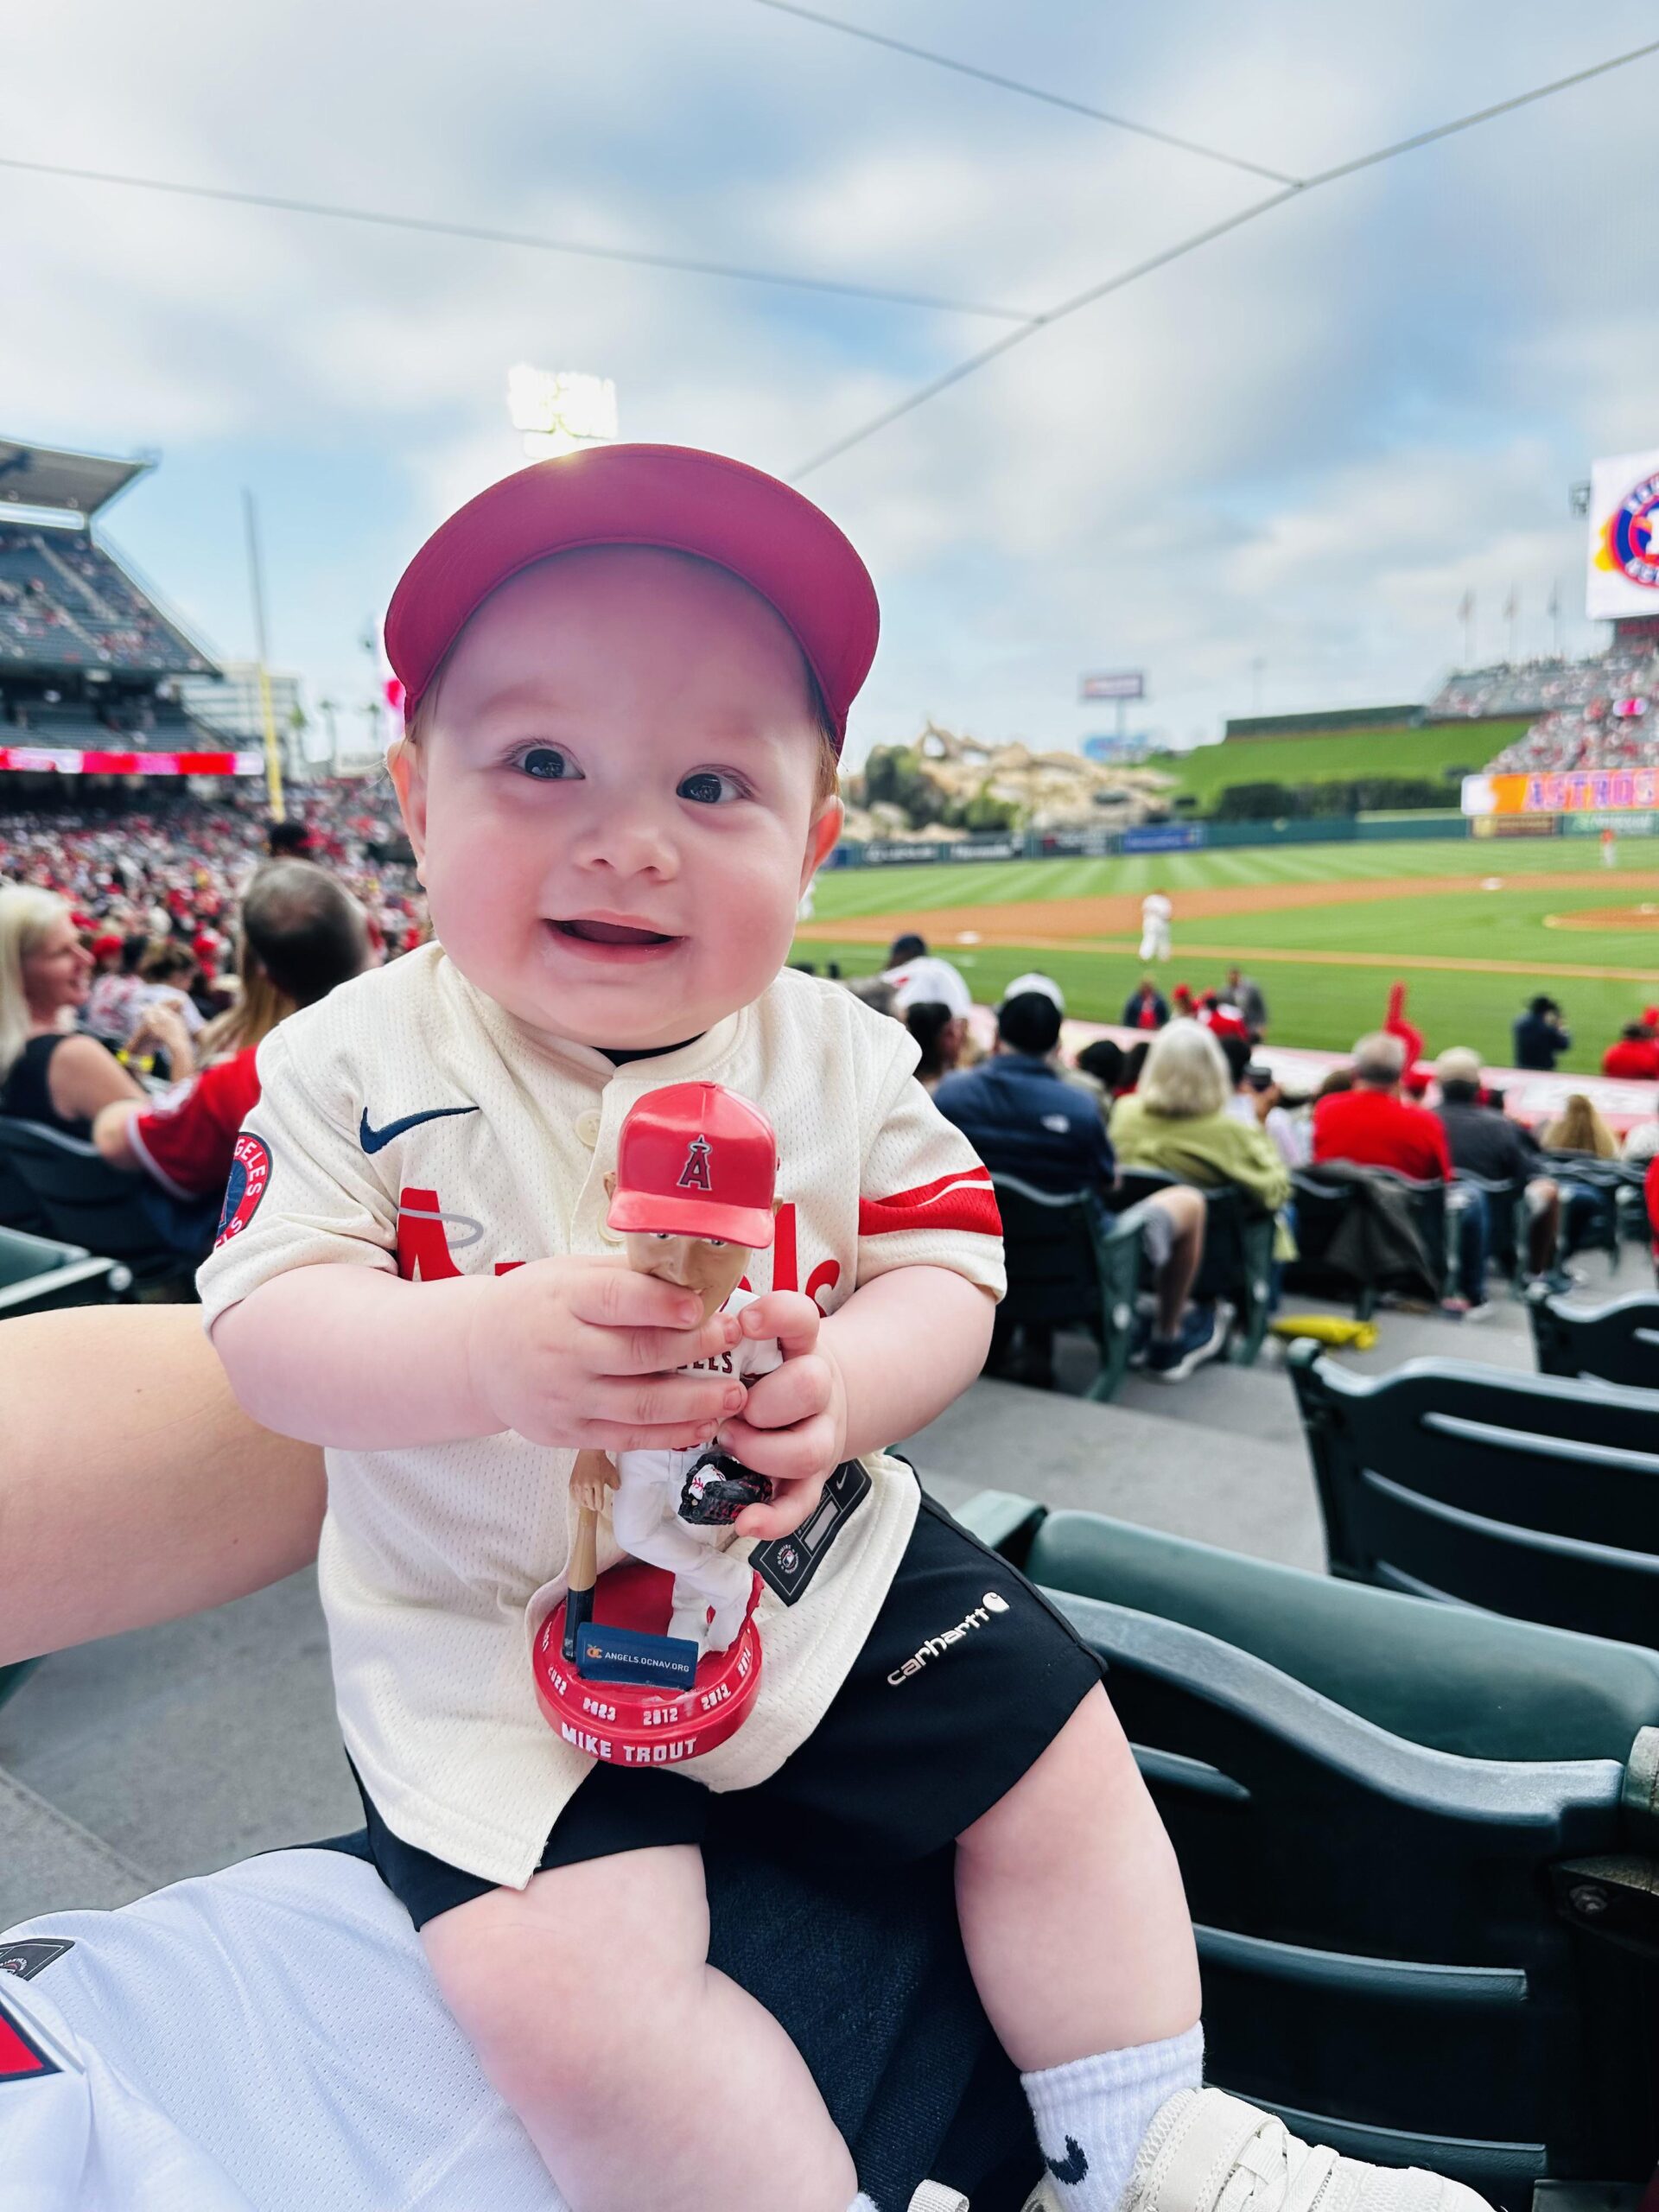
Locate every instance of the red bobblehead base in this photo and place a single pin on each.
(629, 1726)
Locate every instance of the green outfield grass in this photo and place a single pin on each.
(1312, 1002)
(1331, 756)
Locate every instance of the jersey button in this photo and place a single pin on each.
(588, 1127)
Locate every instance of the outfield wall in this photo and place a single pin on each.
(1157, 837)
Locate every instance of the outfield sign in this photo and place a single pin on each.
(1164, 837)
(1117, 683)
(1622, 579)
(1575, 790)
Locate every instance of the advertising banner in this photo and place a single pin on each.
(1164, 837)
(55, 761)
(1624, 572)
(1572, 790)
(1117, 683)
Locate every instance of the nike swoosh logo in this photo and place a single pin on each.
(374, 1140)
(1073, 2166)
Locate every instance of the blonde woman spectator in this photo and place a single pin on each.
(48, 1074)
(1178, 1123)
(1581, 1128)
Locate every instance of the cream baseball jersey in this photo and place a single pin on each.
(407, 1124)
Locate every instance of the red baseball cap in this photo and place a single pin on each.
(695, 1160)
(673, 497)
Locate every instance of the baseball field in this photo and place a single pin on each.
(1473, 929)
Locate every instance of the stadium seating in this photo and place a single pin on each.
(1237, 1262)
(65, 603)
(1341, 1250)
(1615, 1343)
(1415, 1840)
(1593, 1224)
(1506, 1220)
(1524, 1494)
(37, 1276)
(87, 1204)
(1071, 1265)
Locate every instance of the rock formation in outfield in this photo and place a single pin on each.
(946, 786)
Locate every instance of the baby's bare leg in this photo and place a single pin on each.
(1071, 1906)
(643, 2075)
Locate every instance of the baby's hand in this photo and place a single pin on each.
(581, 1351)
(795, 1424)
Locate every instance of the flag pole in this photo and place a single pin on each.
(256, 585)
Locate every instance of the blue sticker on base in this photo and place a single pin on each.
(250, 1176)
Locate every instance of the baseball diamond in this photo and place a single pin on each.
(1474, 928)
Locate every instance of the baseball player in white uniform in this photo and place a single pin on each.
(618, 777)
(1156, 914)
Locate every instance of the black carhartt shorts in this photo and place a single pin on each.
(967, 1675)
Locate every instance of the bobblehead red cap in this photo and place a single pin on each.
(695, 1160)
(673, 497)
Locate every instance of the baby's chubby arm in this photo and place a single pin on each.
(570, 1353)
(895, 1354)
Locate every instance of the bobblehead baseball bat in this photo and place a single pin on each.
(579, 1581)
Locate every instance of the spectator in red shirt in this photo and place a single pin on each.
(1372, 1126)
(1650, 1191)
(300, 934)
(1635, 1058)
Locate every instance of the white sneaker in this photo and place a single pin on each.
(1206, 2151)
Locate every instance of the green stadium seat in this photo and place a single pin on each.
(1615, 1343)
(1525, 1494)
(1237, 1262)
(97, 1208)
(1418, 1843)
(1071, 1265)
(37, 1276)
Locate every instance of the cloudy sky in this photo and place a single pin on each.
(1270, 470)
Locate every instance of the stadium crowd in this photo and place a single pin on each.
(1543, 686)
(64, 601)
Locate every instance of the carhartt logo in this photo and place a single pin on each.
(936, 1646)
(694, 1176)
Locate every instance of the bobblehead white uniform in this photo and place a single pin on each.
(645, 1513)
(407, 1124)
(1156, 913)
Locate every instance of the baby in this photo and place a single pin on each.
(628, 673)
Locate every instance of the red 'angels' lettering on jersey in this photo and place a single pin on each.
(423, 1253)
(962, 1201)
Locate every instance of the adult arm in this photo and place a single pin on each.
(83, 1077)
(150, 1497)
(112, 1132)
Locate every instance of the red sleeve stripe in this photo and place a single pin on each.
(963, 1200)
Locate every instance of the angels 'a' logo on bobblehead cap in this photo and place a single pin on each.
(695, 1160)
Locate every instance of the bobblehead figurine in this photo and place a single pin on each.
(692, 1197)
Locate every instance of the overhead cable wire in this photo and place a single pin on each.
(1026, 91)
(478, 232)
(1205, 237)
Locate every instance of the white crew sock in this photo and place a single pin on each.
(1092, 2115)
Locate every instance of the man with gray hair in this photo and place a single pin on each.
(1373, 1126)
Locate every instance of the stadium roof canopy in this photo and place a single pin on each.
(70, 484)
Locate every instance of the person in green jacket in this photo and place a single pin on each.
(1176, 1122)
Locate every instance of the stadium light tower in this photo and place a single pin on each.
(560, 410)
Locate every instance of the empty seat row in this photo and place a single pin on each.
(1418, 1843)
